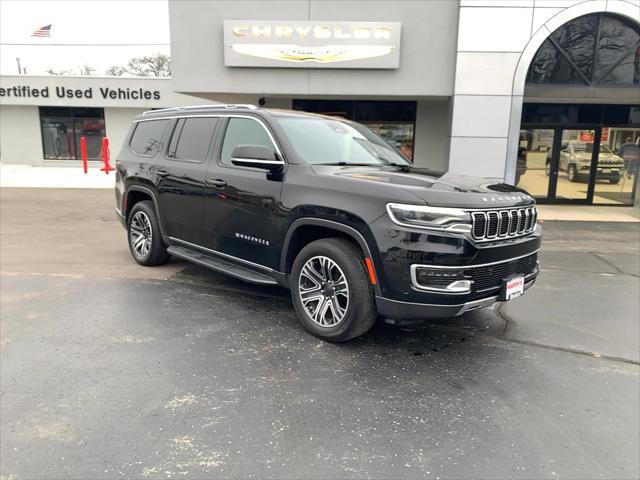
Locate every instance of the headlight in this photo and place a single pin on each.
(437, 218)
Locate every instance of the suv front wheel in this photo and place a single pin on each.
(331, 290)
(143, 232)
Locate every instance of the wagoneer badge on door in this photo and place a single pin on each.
(250, 43)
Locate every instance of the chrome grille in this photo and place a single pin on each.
(503, 224)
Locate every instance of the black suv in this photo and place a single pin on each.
(326, 208)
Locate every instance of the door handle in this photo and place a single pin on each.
(162, 172)
(217, 182)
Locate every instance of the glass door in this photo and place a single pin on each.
(535, 151)
(571, 168)
(617, 172)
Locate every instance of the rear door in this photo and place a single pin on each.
(181, 175)
(242, 203)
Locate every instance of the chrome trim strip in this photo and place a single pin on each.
(483, 302)
(464, 307)
(224, 255)
(434, 304)
(195, 107)
(489, 236)
(415, 284)
(466, 267)
(257, 160)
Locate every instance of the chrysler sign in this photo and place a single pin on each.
(257, 43)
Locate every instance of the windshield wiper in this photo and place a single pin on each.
(399, 165)
(349, 164)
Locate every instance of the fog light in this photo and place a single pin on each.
(585, 167)
(440, 280)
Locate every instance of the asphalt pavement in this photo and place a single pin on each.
(111, 370)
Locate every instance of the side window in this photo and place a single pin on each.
(191, 138)
(242, 131)
(147, 136)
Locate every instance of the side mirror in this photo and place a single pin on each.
(256, 156)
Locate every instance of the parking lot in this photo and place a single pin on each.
(112, 370)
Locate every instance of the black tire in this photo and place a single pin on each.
(361, 313)
(614, 180)
(547, 168)
(157, 252)
(572, 173)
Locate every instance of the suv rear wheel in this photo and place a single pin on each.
(143, 232)
(331, 290)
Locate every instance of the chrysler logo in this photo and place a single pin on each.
(325, 54)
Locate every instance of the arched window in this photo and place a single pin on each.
(596, 49)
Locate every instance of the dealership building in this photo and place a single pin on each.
(541, 93)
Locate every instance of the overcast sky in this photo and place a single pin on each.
(78, 22)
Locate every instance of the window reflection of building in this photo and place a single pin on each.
(393, 120)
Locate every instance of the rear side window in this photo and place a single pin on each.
(243, 131)
(191, 138)
(147, 136)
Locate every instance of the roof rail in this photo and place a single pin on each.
(225, 106)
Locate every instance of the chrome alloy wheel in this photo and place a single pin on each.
(140, 234)
(323, 291)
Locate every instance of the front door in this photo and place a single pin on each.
(180, 178)
(242, 203)
(559, 165)
(571, 166)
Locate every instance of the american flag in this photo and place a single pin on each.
(42, 32)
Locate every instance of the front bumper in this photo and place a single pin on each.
(396, 311)
(398, 248)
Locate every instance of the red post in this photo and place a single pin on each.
(105, 156)
(83, 153)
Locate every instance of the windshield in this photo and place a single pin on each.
(322, 141)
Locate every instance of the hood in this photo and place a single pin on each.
(431, 186)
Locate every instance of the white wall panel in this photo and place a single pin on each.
(541, 16)
(480, 116)
(496, 3)
(494, 29)
(483, 157)
(485, 73)
(20, 136)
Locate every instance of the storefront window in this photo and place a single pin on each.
(63, 127)
(393, 121)
(596, 49)
(618, 166)
(534, 159)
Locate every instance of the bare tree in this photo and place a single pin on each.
(51, 71)
(115, 71)
(158, 65)
(87, 70)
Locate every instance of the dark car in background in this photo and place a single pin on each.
(326, 208)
